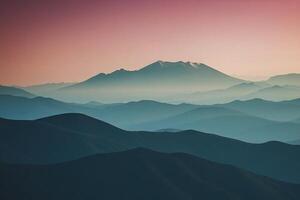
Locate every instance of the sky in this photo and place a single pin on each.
(72, 40)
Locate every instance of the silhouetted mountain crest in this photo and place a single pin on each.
(154, 81)
(78, 121)
(71, 136)
(140, 174)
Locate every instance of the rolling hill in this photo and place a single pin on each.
(6, 90)
(129, 114)
(71, 136)
(139, 174)
(47, 89)
(275, 93)
(252, 121)
(121, 114)
(228, 123)
(285, 79)
(222, 95)
(278, 111)
(13, 107)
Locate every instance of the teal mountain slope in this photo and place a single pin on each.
(156, 81)
(285, 79)
(252, 120)
(13, 107)
(6, 90)
(72, 136)
(222, 95)
(278, 111)
(275, 93)
(229, 123)
(139, 174)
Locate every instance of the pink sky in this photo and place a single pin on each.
(55, 41)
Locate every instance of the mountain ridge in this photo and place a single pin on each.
(154, 81)
(53, 141)
(14, 91)
(139, 174)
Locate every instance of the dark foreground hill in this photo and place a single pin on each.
(139, 174)
(71, 136)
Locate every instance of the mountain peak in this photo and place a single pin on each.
(120, 71)
(156, 79)
(79, 121)
(159, 65)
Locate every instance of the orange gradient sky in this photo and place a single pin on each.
(56, 41)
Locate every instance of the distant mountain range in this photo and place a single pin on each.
(6, 90)
(47, 89)
(161, 75)
(243, 91)
(13, 107)
(169, 130)
(155, 81)
(287, 79)
(228, 123)
(252, 121)
(71, 136)
(277, 93)
(174, 82)
(139, 174)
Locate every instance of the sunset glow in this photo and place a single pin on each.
(54, 41)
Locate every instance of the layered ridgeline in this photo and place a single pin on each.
(255, 120)
(47, 89)
(156, 81)
(286, 79)
(244, 91)
(72, 136)
(7, 90)
(139, 174)
(174, 82)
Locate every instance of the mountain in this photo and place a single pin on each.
(130, 114)
(278, 111)
(6, 90)
(222, 95)
(227, 122)
(166, 73)
(252, 121)
(295, 142)
(155, 81)
(48, 90)
(47, 87)
(121, 114)
(13, 107)
(244, 91)
(139, 174)
(294, 102)
(275, 93)
(285, 79)
(71, 136)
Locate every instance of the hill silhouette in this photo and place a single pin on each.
(139, 174)
(285, 79)
(71, 136)
(6, 90)
(254, 120)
